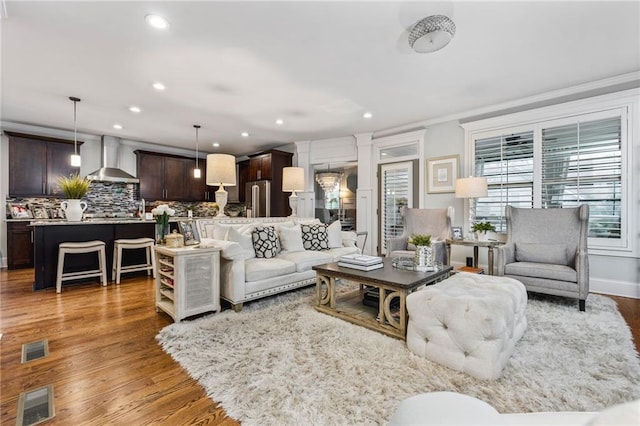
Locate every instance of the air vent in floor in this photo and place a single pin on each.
(35, 406)
(35, 350)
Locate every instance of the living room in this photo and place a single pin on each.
(473, 89)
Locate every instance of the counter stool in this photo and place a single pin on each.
(135, 243)
(78, 248)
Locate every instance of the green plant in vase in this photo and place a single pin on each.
(482, 228)
(162, 213)
(420, 240)
(423, 260)
(74, 188)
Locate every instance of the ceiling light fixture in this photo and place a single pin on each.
(157, 21)
(76, 161)
(135, 109)
(245, 134)
(431, 34)
(117, 126)
(196, 171)
(367, 115)
(158, 86)
(216, 144)
(328, 181)
(279, 122)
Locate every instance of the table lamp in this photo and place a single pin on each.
(471, 187)
(292, 181)
(221, 170)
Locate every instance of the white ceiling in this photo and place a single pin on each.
(237, 66)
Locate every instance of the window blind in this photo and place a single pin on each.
(582, 163)
(396, 193)
(507, 163)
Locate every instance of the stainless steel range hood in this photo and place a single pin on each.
(109, 172)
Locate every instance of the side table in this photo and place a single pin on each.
(475, 243)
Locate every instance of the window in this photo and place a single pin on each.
(396, 187)
(556, 164)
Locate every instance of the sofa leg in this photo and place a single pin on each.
(237, 307)
(581, 305)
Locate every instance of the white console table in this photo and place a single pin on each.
(187, 281)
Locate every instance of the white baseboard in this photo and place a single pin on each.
(3, 262)
(615, 288)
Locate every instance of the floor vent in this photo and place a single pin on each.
(35, 350)
(35, 406)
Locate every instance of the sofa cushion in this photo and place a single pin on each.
(541, 253)
(244, 239)
(314, 237)
(291, 238)
(265, 242)
(542, 270)
(334, 234)
(261, 269)
(305, 260)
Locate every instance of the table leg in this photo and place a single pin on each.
(490, 260)
(475, 256)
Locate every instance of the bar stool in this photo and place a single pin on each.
(128, 244)
(79, 248)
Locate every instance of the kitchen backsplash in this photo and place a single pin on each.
(119, 198)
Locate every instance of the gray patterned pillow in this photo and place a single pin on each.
(314, 236)
(265, 242)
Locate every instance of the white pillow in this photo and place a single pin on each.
(279, 225)
(244, 239)
(291, 238)
(220, 231)
(334, 232)
(349, 238)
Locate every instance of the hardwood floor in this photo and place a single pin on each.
(104, 362)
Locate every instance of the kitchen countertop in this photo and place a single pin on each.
(98, 221)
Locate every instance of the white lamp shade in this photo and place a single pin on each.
(471, 187)
(221, 169)
(293, 179)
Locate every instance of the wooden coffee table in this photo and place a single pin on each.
(391, 283)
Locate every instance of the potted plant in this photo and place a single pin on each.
(74, 188)
(424, 252)
(482, 230)
(162, 214)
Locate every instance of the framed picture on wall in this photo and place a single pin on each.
(442, 173)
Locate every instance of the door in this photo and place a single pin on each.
(396, 183)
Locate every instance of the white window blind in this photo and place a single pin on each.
(396, 184)
(507, 163)
(582, 163)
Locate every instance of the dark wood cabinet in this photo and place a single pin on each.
(36, 162)
(268, 165)
(243, 178)
(170, 177)
(19, 245)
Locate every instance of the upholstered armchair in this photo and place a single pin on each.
(546, 250)
(435, 222)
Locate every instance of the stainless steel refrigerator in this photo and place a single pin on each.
(258, 198)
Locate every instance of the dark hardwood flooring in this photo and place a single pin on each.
(105, 364)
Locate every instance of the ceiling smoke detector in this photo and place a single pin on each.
(431, 34)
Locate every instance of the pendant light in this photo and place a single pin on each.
(196, 171)
(75, 158)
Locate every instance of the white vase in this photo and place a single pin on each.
(73, 209)
(423, 258)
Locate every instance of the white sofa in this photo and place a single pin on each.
(244, 278)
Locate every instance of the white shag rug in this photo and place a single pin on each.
(280, 362)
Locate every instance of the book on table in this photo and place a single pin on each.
(360, 259)
(361, 267)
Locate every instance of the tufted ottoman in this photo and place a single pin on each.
(468, 322)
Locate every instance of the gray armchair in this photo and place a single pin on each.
(546, 250)
(435, 222)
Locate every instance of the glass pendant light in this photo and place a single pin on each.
(75, 158)
(196, 171)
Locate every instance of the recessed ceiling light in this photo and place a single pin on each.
(245, 134)
(367, 115)
(157, 21)
(384, 153)
(134, 109)
(158, 86)
(117, 126)
(279, 122)
(216, 144)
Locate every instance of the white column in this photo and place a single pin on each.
(306, 199)
(366, 218)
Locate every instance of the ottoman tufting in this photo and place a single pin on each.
(468, 322)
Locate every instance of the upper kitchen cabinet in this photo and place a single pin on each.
(268, 164)
(36, 162)
(243, 178)
(170, 177)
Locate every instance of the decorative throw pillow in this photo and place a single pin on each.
(314, 237)
(541, 253)
(291, 238)
(265, 242)
(334, 234)
(244, 239)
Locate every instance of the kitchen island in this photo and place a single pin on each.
(48, 234)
